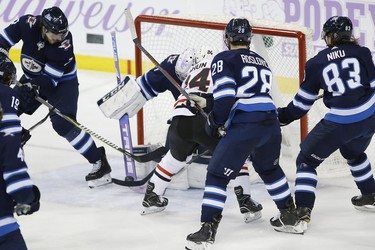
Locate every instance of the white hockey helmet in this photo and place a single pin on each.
(206, 53)
(185, 61)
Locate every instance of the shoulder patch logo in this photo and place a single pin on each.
(31, 21)
(65, 44)
(171, 59)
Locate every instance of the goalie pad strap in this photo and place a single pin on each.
(124, 98)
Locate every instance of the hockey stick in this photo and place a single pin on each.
(140, 158)
(39, 122)
(136, 41)
(141, 182)
(130, 171)
(132, 183)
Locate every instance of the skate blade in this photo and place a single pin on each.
(249, 217)
(198, 246)
(366, 208)
(106, 179)
(297, 229)
(152, 210)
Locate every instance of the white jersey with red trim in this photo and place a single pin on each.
(199, 80)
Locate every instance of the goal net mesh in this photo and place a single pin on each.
(278, 43)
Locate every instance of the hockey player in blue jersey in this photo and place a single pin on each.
(186, 132)
(18, 194)
(48, 64)
(345, 72)
(244, 115)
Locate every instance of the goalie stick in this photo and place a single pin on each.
(130, 171)
(140, 158)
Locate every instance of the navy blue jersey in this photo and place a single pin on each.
(154, 82)
(15, 183)
(49, 64)
(11, 123)
(242, 82)
(346, 74)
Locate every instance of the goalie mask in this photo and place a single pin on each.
(185, 61)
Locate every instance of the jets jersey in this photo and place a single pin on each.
(15, 183)
(242, 83)
(11, 123)
(153, 82)
(346, 74)
(48, 64)
(199, 80)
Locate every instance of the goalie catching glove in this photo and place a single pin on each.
(125, 98)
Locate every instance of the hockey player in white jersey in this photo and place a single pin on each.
(186, 134)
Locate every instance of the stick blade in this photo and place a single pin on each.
(130, 21)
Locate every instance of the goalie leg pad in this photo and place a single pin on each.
(124, 98)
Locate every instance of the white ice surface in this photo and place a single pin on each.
(73, 216)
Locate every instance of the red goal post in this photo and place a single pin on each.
(285, 47)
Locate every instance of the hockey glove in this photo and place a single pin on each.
(28, 91)
(203, 100)
(25, 136)
(27, 209)
(212, 128)
(283, 119)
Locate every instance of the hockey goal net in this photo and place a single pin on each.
(285, 47)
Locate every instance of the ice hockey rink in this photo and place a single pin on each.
(75, 217)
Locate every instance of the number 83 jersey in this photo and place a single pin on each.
(346, 74)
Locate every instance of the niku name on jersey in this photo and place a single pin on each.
(335, 54)
(254, 60)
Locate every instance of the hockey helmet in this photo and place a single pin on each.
(238, 31)
(339, 27)
(54, 20)
(7, 71)
(185, 61)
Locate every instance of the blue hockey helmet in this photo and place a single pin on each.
(54, 20)
(339, 26)
(7, 70)
(238, 31)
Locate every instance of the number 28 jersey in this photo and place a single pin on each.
(242, 82)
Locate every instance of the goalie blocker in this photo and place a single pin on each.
(124, 98)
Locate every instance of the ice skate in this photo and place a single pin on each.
(99, 174)
(364, 202)
(205, 237)
(287, 220)
(304, 216)
(250, 209)
(153, 203)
